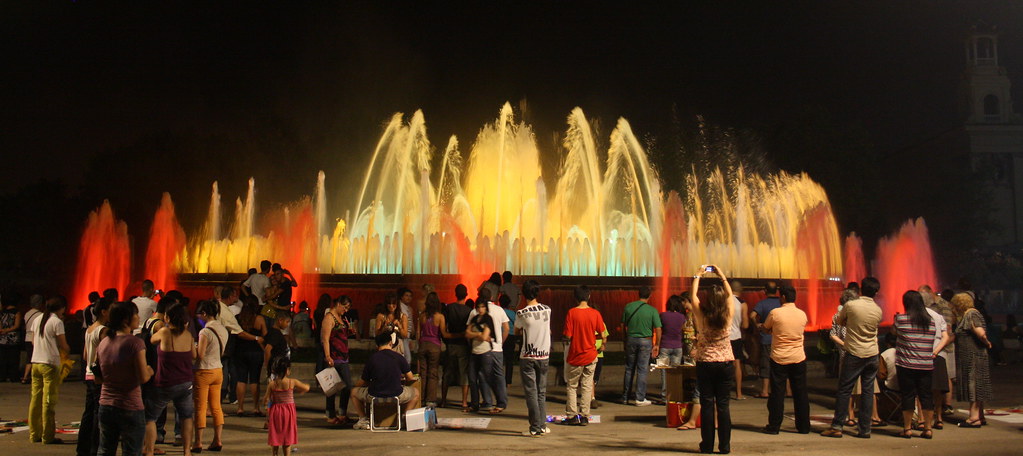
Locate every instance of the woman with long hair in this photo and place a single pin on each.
(480, 332)
(175, 354)
(390, 318)
(247, 360)
(335, 329)
(49, 347)
(715, 372)
(914, 361)
(973, 378)
(122, 371)
(431, 328)
(209, 377)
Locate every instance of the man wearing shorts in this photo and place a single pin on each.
(739, 323)
(382, 376)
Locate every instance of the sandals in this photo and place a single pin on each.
(468, 409)
(877, 423)
(685, 427)
(906, 434)
(970, 424)
(928, 434)
(496, 410)
(850, 422)
(938, 425)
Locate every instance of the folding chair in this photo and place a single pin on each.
(373, 425)
(889, 405)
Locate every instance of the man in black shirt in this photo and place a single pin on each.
(274, 343)
(456, 361)
(382, 377)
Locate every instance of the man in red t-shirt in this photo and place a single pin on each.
(583, 326)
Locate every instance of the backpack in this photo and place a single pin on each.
(146, 334)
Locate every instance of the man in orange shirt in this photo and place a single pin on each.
(788, 362)
(583, 326)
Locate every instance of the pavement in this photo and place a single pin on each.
(623, 430)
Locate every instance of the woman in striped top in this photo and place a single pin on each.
(914, 361)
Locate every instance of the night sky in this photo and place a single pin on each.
(280, 92)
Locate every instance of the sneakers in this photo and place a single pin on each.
(532, 434)
(362, 425)
(771, 430)
(573, 421)
(584, 420)
(629, 402)
(546, 430)
(642, 403)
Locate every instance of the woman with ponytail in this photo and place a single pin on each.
(49, 347)
(122, 370)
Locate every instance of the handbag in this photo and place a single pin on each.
(268, 311)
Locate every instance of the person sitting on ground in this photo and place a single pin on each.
(382, 376)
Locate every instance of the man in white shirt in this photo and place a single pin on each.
(257, 284)
(500, 334)
(533, 323)
(739, 323)
(145, 303)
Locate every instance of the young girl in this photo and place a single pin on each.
(281, 419)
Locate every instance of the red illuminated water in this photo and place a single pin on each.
(812, 233)
(471, 272)
(904, 262)
(298, 251)
(104, 258)
(674, 236)
(166, 241)
(855, 266)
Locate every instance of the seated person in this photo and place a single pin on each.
(886, 366)
(382, 377)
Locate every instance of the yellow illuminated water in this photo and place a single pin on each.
(603, 216)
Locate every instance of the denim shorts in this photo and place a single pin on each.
(180, 395)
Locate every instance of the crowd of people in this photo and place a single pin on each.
(141, 355)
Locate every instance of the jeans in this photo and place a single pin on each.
(345, 372)
(671, 357)
(88, 431)
(117, 425)
(486, 377)
(511, 357)
(579, 389)
(637, 357)
(534, 385)
(795, 373)
(866, 370)
(716, 380)
(429, 370)
(42, 406)
(180, 395)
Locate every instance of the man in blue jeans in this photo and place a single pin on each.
(642, 327)
(533, 325)
(860, 317)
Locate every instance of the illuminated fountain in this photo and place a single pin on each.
(104, 257)
(601, 213)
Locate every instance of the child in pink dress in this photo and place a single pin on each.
(281, 418)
